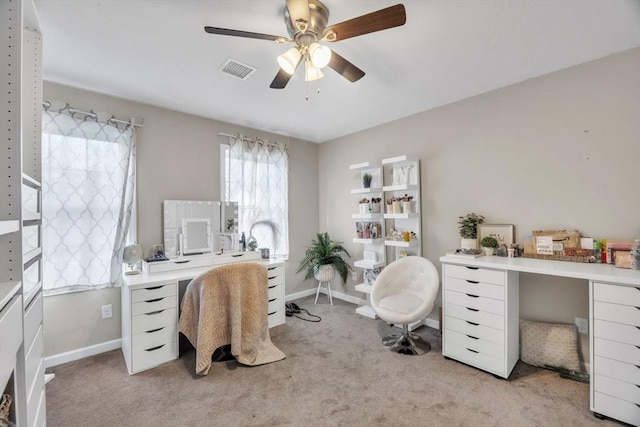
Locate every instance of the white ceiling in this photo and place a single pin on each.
(156, 52)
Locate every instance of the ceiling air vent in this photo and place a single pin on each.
(237, 69)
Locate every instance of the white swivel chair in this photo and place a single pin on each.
(405, 292)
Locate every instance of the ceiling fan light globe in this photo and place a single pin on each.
(288, 61)
(312, 73)
(320, 55)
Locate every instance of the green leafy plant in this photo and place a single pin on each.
(324, 251)
(366, 180)
(468, 225)
(489, 242)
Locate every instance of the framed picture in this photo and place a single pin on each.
(503, 233)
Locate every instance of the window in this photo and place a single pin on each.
(88, 176)
(256, 175)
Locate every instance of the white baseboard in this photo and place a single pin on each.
(323, 290)
(70, 356)
(431, 323)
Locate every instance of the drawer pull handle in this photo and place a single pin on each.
(273, 312)
(153, 313)
(472, 337)
(473, 351)
(472, 296)
(273, 299)
(473, 323)
(271, 287)
(154, 330)
(182, 262)
(154, 300)
(473, 281)
(472, 268)
(153, 288)
(472, 309)
(236, 256)
(155, 348)
(271, 268)
(272, 277)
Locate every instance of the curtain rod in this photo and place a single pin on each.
(259, 141)
(93, 115)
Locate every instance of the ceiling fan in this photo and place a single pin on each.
(306, 22)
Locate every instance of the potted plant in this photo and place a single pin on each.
(366, 180)
(323, 258)
(468, 227)
(488, 244)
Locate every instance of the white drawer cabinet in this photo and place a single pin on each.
(275, 274)
(480, 317)
(150, 310)
(615, 351)
(149, 325)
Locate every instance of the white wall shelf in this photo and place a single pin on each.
(366, 190)
(398, 160)
(369, 265)
(399, 187)
(403, 175)
(368, 223)
(9, 226)
(402, 215)
(367, 241)
(372, 216)
(26, 258)
(364, 288)
(402, 244)
(367, 311)
(364, 166)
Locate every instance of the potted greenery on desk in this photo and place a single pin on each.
(489, 245)
(468, 227)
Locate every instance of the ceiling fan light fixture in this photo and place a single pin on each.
(288, 61)
(311, 72)
(320, 55)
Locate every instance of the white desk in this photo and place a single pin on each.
(481, 323)
(150, 306)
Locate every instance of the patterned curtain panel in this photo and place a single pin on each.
(88, 176)
(257, 177)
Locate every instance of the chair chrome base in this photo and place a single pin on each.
(406, 343)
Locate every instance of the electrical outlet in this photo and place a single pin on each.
(583, 325)
(106, 311)
(354, 276)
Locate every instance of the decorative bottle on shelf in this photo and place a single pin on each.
(635, 255)
(243, 242)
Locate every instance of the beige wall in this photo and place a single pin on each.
(178, 157)
(559, 151)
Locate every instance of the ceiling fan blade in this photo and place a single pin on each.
(382, 19)
(299, 13)
(345, 68)
(247, 34)
(281, 80)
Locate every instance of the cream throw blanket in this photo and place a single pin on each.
(228, 305)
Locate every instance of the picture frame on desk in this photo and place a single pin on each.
(503, 233)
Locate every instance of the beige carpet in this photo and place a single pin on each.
(336, 374)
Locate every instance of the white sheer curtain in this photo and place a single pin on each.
(88, 181)
(257, 177)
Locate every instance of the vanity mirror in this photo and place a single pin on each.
(198, 226)
(196, 236)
